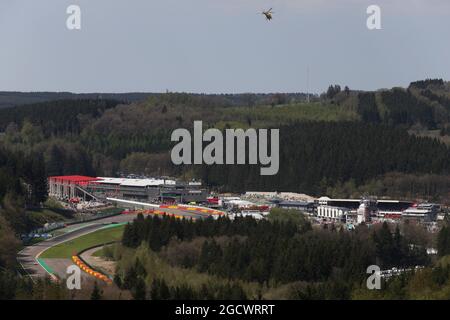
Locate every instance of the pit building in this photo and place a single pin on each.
(145, 190)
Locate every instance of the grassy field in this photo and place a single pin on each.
(69, 248)
(267, 116)
(105, 252)
(435, 134)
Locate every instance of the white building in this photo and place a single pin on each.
(363, 213)
(425, 212)
(332, 213)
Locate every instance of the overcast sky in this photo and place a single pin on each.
(220, 46)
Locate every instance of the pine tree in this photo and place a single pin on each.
(55, 161)
(140, 269)
(129, 281)
(443, 241)
(159, 290)
(164, 290)
(96, 292)
(118, 280)
(155, 290)
(385, 246)
(139, 290)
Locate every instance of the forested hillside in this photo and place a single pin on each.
(60, 117)
(316, 155)
(13, 99)
(343, 143)
(260, 259)
(423, 103)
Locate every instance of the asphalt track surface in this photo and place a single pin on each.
(28, 256)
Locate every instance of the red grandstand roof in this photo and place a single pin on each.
(74, 179)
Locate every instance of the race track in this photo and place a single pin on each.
(29, 255)
(34, 267)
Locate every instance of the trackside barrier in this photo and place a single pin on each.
(168, 206)
(158, 212)
(155, 211)
(83, 266)
(191, 208)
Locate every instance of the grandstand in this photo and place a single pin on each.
(146, 190)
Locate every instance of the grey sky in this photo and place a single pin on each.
(220, 45)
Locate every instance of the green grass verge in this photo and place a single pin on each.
(99, 253)
(106, 252)
(45, 266)
(69, 248)
(110, 210)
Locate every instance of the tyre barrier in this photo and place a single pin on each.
(188, 208)
(198, 210)
(83, 266)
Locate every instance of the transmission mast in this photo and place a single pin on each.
(307, 85)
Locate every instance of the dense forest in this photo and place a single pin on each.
(23, 184)
(392, 143)
(12, 99)
(400, 107)
(23, 175)
(284, 257)
(345, 142)
(264, 251)
(315, 155)
(54, 118)
(273, 258)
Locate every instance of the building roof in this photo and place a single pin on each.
(359, 200)
(295, 203)
(241, 202)
(416, 211)
(74, 179)
(126, 182)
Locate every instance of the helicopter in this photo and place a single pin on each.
(268, 14)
